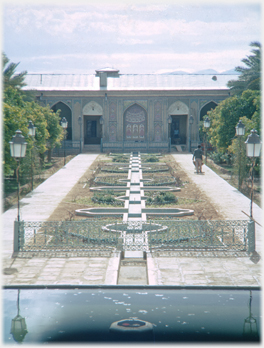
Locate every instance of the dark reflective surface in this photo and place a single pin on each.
(171, 315)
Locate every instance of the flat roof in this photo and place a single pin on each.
(127, 82)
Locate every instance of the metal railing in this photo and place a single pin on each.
(62, 236)
(202, 234)
(56, 236)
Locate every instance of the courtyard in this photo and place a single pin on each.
(210, 197)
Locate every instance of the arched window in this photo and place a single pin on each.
(135, 123)
(65, 112)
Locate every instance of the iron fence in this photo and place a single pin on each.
(64, 236)
(57, 236)
(201, 234)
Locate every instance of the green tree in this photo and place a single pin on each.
(10, 79)
(17, 114)
(250, 76)
(54, 129)
(226, 115)
(240, 160)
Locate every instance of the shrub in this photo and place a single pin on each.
(120, 158)
(152, 159)
(169, 197)
(149, 200)
(221, 158)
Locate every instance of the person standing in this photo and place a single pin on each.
(198, 157)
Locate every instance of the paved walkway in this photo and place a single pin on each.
(174, 269)
(38, 206)
(164, 269)
(229, 201)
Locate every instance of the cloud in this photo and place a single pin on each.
(137, 37)
(68, 23)
(129, 63)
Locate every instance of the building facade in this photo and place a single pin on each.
(123, 113)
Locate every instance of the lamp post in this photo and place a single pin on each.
(250, 329)
(80, 124)
(18, 148)
(101, 123)
(190, 131)
(169, 131)
(206, 125)
(253, 146)
(18, 325)
(240, 132)
(31, 132)
(64, 125)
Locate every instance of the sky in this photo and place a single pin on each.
(135, 37)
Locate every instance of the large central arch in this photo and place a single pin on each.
(135, 123)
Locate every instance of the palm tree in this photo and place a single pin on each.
(9, 76)
(250, 76)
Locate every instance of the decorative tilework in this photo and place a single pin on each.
(112, 131)
(135, 121)
(157, 111)
(112, 111)
(157, 132)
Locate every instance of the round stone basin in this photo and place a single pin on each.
(101, 211)
(137, 227)
(126, 198)
(161, 188)
(167, 211)
(112, 188)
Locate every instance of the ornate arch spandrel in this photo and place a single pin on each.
(92, 108)
(178, 108)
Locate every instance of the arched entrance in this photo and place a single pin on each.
(92, 122)
(135, 124)
(65, 112)
(207, 107)
(178, 125)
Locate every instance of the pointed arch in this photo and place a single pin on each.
(135, 123)
(67, 113)
(207, 107)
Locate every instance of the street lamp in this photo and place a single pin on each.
(18, 325)
(240, 132)
(206, 125)
(101, 120)
(169, 119)
(64, 125)
(18, 148)
(253, 146)
(80, 123)
(190, 131)
(250, 329)
(31, 132)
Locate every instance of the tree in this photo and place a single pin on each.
(10, 78)
(17, 114)
(250, 76)
(226, 115)
(54, 129)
